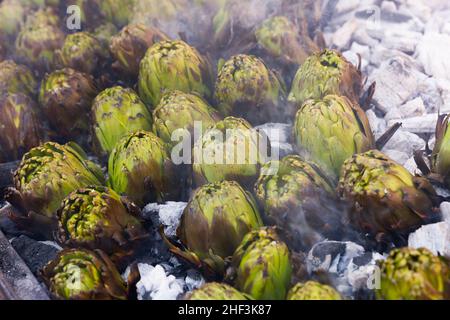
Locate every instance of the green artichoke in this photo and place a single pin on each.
(117, 112)
(282, 39)
(229, 150)
(20, 126)
(36, 46)
(299, 199)
(66, 97)
(46, 175)
(440, 157)
(12, 17)
(216, 291)
(43, 17)
(246, 88)
(325, 73)
(263, 266)
(16, 78)
(129, 46)
(104, 34)
(179, 110)
(95, 12)
(414, 274)
(384, 196)
(213, 224)
(140, 167)
(98, 218)
(175, 65)
(331, 130)
(79, 274)
(83, 52)
(312, 290)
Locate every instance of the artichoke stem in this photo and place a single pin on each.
(367, 97)
(384, 139)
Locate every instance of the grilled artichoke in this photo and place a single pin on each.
(173, 65)
(37, 43)
(79, 274)
(98, 218)
(215, 291)
(414, 274)
(16, 78)
(12, 17)
(66, 97)
(440, 157)
(299, 199)
(325, 73)
(212, 226)
(282, 39)
(179, 110)
(20, 126)
(104, 34)
(229, 150)
(385, 197)
(47, 16)
(129, 46)
(140, 167)
(95, 12)
(83, 52)
(46, 175)
(117, 112)
(263, 267)
(312, 290)
(246, 88)
(331, 130)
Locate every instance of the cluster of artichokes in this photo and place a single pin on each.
(98, 119)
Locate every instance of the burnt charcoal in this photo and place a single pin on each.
(35, 254)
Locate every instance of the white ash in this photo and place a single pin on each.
(352, 267)
(435, 237)
(52, 244)
(168, 214)
(432, 52)
(412, 108)
(445, 211)
(411, 166)
(377, 124)
(193, 280)
(398, 156)
(156, 284)
(405, 141)
(423, 124)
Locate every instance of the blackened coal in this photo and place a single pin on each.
(35, 254)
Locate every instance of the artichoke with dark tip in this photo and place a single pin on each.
(140, 167)
(79, 274)
(263, 266)
(83, 52)
(178, 111)
(331, 130)
(45, 176)
(312, 290)
(104, 34)
(98, 218)
(246, 88)
(20, 126)
(384, 197)
(281, 39)
(12, 17)
(414, 274)
(96, 12)
(66, 97)
(213, 224)
(299, 199)
(216, 291)
(116, 112)
(36, 46)
(230, 150)
(440, 157)
(43, 17)
(325, 73)
(16, 78)
(173, 65)
(129, 46)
